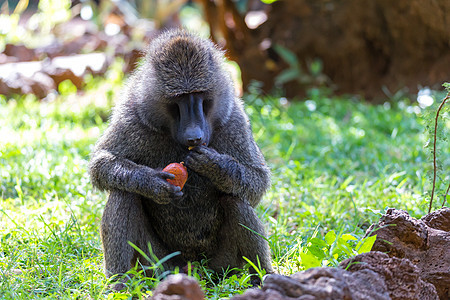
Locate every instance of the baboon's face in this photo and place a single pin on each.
(190, 124)
(187, 91)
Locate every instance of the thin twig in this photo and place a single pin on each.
(446, 194)
(434, 148)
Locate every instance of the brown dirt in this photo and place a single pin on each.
(439, 219)
(402, 236)
(402, 278)
(178, 287)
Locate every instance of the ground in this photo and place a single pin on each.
(337, 164)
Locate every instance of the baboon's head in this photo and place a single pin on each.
(187, 91)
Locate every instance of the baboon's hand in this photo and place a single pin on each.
(203, 160)
(160, 190)
(221, 169)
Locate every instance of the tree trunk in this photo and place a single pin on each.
(363, 45)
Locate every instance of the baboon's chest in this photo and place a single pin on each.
(191, 224)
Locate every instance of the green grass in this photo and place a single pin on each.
(337, 165)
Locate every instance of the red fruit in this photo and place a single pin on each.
(180, 172)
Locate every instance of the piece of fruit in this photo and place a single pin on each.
(192, 147)
(180, 172)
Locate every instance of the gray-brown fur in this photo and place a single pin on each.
(227, 176)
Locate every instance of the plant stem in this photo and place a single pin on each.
(446, 194)
(434, 149)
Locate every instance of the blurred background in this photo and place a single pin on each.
(371, 49)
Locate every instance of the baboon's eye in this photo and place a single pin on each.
(207, 106)
(173, 110)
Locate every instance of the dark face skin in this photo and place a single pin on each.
(191, 127)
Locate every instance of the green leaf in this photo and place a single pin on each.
(330, 237)
(117, 296)
(257, 269)
(367, 244)
(343, 247)
(287, 75)
(67, 87)
(318, 242)
(346, 182)
(348, 237)
(317, 251)
(287, 55)
(309, 260)
(316, 67)
(21, 7)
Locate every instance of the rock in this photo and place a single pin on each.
(321, 284)
(20, 52)
(75, 67)
(5, 59)
(439, 219)
(41, 77)
(26, 69)
(363, 284)
(178, 287)
(372, 275)
(41, 85)
(8, 87)
(400, 275)
(83, 44)
(257, 294)
(38, 84)
(400, 235)
(60, 74)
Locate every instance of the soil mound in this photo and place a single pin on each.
(425, 242)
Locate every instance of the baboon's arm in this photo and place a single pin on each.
(110, 171)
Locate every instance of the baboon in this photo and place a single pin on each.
(180, 106)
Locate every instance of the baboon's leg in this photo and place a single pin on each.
(125, 220)
(236, 241)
